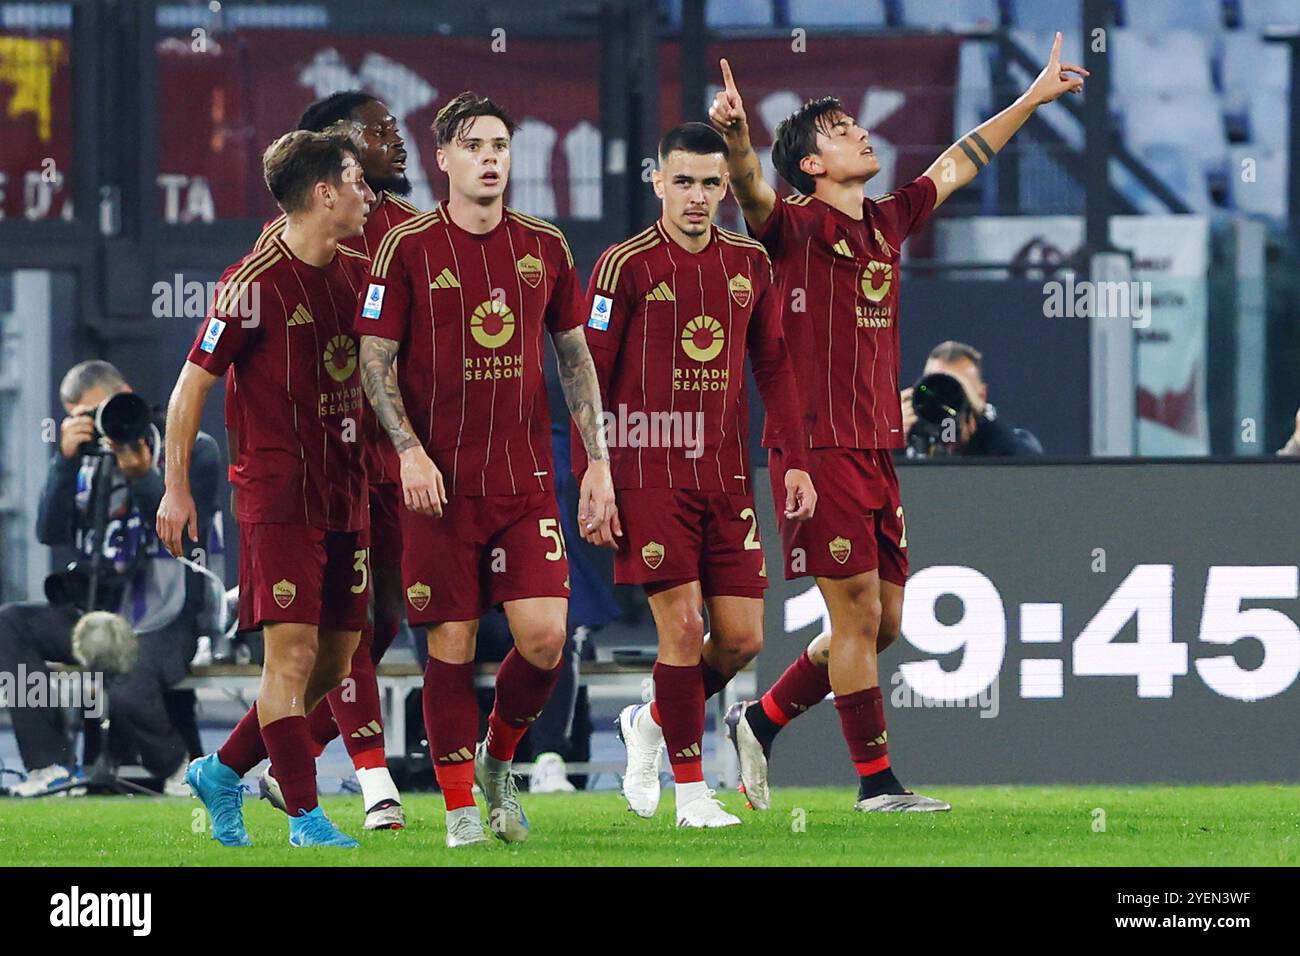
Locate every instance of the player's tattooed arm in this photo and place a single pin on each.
(581, 390)
(962, 161)
(423, 489)
(755, 194)
(379, 377)
(598, 520)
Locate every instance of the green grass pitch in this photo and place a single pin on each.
(1256, 825)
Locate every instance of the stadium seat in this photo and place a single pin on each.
(1252, 63)
(1047, 16)
(820, 13)
(1266, 196)
(1174, 60)
(951, 14)
(738, 13)
(1257, 14)
(1191, 121)
(1269, 118)
(1203, 16)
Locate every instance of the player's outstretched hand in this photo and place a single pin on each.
(800, 495)
(177, 515)
(597, 511)
(422, 487)
(1057, 78)
(728, 112)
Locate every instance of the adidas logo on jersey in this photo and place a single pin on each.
(660, 293)
(842, 248)
(445, 280)
(300, 316)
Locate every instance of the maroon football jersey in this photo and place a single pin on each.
(382, 464)
(296, 401)
(669, 331)
(470, 311)
(839, 278)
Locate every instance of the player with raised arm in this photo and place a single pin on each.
(674, 311)
(300, 481)
(354, 712)
(451, 329)
(838, 254)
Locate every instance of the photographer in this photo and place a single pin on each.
(93, 480)
(947, 412)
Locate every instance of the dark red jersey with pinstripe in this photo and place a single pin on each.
(839, 279)
(382, 464)
(295, 400)
(470, 312)
(669, 331)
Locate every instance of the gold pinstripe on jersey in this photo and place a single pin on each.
(618, 255)
(232, 289)
(388, 245)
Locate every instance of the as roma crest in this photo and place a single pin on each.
(653, 555)
(742, 290)
(284, 591)
(530, 270)
(418, 594)
(841, 548)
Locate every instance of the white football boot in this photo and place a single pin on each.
(901, 803)
(750, 756)
(464, 828)
(645, 747)
(496, 779)
(705, 812)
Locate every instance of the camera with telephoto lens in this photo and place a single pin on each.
(124, 418)
(941, 405)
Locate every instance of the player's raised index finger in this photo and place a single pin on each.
(1056, 48)
(727, 79)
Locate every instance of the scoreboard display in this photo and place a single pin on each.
(1089, 622)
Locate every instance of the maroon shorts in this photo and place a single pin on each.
(672, 536)
(386, 506)
(482, 551)
(294, 573)
(858, 524)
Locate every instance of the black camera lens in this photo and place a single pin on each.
(937, 398)
(123, 418)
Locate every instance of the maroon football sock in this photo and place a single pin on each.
(244, 749)
(289, 744)
(862, 716)
(802, 686)
(679, 701)
(355, 708)
(321, 726)
(522, 691)
(713, 680)
(451, 722)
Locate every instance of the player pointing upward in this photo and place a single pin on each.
(842, 252)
